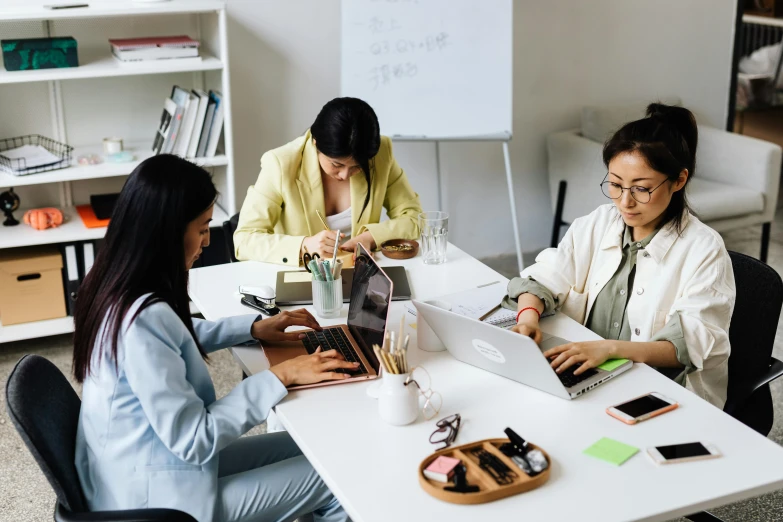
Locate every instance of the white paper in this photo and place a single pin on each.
(476, 302)
(34, 156)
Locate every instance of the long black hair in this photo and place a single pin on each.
(667, 139)
(348, 127)
(143, 253)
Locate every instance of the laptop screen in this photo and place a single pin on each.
(371, 294)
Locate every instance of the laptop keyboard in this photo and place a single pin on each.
(334, 339)
(569, 379)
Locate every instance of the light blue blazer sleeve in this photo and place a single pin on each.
(156, 372)
(227, 332)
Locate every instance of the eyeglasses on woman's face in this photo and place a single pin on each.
(641, 194)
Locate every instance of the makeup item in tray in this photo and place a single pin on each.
(518, 447)
(442, 468)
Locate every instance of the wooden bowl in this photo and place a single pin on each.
(400, 248)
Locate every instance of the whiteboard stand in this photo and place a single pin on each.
(504, 139)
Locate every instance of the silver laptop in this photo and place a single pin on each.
(509, 354)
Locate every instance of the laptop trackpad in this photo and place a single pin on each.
(551, 342)
(283, 351)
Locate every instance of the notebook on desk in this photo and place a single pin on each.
(296, 288)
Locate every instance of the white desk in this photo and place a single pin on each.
(374, 476)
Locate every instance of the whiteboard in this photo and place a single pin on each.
(431, 68)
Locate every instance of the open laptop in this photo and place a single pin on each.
(293, 290)
(371, 295)
(509, 354)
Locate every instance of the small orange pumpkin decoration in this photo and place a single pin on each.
(43, 218)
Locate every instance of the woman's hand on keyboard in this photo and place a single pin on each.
(272, 329)
(586, 355)
(310, 369)
(529, 329)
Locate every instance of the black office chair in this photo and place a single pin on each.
(229, 227)
(752, 334)
(45, 411)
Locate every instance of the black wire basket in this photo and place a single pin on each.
(18, 166)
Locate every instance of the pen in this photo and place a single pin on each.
(338, 268)
(328, 271)
(336, 248)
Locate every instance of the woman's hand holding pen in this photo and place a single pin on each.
(322, 243)
(316, 367)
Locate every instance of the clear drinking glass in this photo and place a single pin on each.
(328, 298)
(434, 228)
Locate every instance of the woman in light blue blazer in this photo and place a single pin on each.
(151, 432)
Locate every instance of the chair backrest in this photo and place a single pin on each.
(752, 335)
(45, 410)
(229, 227)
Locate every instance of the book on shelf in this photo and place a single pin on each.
(189, 106)
(204, 138)
(164, 127)
(201, 113)
(181, 98)
(156, 48)
(217, 125)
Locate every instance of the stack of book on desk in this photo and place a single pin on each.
(135, 50)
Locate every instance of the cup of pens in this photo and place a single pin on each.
(398, 403)
(327, 288)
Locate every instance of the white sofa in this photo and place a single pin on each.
(735, 184)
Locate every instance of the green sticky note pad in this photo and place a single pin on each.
(611, 451)
(611, 364)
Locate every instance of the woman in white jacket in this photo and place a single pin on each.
(644, 273)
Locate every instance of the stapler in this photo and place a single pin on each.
(261, 298)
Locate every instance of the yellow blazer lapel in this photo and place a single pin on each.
(311, 187)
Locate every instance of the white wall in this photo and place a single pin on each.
(285, 64)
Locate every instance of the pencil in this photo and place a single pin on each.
(323, 221)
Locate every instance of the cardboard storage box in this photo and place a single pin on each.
(31, 285)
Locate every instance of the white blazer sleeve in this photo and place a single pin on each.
(223, 333)
(156, 373)
(556, 268)
(705, 309)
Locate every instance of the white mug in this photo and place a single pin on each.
(426, 338)
(398, 404)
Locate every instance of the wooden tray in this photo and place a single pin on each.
(489, 489)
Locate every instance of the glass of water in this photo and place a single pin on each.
(434, 228)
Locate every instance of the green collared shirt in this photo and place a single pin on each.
(607, 316)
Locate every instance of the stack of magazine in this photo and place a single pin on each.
(191, 124)
(136, 50)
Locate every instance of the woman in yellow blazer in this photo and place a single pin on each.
(280, 215)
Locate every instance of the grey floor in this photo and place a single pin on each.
(26, 496)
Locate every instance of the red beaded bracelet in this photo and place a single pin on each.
(529, 308)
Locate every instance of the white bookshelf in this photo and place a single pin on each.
(108, 67)
(102, 97)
